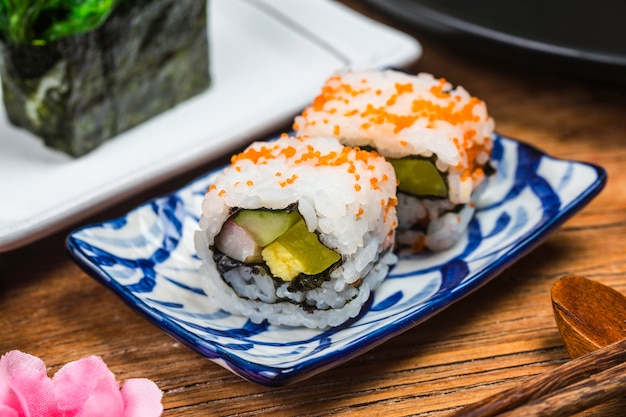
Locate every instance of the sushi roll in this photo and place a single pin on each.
(78, 73)
(437, 137)
(298, 232)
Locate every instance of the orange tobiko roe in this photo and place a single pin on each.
(335, 89)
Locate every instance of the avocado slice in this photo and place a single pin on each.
(298, 251)
(266, 225)
(419, 177)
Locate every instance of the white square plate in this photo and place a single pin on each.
(267, 57)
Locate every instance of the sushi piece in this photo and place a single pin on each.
(78, 90)
(437, 137)
(298, 232)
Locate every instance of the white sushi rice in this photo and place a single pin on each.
(445, 223)
(337, 200)
(401, 115)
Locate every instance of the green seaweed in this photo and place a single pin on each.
(39, 22)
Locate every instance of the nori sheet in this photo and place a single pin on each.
(80, 91)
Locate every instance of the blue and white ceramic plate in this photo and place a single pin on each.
(147, 258)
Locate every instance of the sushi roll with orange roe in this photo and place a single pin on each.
(298, 231)
(437, 137)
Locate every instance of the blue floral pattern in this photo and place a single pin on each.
(148, 259)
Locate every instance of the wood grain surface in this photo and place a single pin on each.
(489, 341)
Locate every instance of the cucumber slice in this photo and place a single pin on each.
(266, 225)
(419, 177)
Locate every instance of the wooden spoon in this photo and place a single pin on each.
(589, 315)
(591, 318)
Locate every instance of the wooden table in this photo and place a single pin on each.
(487, 342)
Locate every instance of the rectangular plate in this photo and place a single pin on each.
(147, 258)
(268, 58)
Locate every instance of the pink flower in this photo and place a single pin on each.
(84, 388)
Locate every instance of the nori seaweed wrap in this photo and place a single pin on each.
(79, 91)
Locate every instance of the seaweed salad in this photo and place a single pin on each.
(77, 73)
(42, 21)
